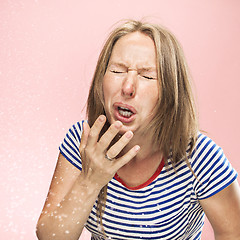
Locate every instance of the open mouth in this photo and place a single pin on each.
(125, 112)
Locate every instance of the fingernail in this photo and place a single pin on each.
(137, 148)
(118, 124)
(129, 134)
(101, 118)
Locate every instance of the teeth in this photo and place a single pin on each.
(125, 113)
(124, 108)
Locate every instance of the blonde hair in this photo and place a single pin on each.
(174, 126)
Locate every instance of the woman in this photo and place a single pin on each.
(139, 168)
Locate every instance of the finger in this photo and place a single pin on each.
(95, 130)
(127, 157)
(119, 145)
(84, 137)
(108, 136)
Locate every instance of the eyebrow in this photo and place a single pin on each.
(120, 64)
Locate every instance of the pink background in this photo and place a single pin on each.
(48, 51)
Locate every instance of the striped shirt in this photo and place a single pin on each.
(167, 206)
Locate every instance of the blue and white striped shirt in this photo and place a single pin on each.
(168, 206)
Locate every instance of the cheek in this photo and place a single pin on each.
(105, 88)
(108, 90)
(151, 94)
(110, 87)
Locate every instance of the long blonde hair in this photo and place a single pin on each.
(174, 126)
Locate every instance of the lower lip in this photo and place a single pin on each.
(123, 119)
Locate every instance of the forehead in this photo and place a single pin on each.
(134, 49)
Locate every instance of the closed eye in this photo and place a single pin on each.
(148, 77)
(114, 71)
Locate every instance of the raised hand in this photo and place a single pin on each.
(99, 162)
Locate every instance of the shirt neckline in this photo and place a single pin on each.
(145, 184)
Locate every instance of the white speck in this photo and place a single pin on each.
(67, 232)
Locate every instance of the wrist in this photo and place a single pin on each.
(90, 187)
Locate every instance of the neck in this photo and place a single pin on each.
(146, 148)
(141, 168)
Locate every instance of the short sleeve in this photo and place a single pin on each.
(69, 148)
(213, 170)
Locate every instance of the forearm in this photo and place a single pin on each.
(67, 220)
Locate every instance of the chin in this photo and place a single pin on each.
(126, 128)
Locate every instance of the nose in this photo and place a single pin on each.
(129, 84)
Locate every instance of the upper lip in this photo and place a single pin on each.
(123, 105)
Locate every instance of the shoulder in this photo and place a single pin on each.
(73, 136)
(69, 147)
(207, 157)
(212, 168)
(76, 130)
(205, 150)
